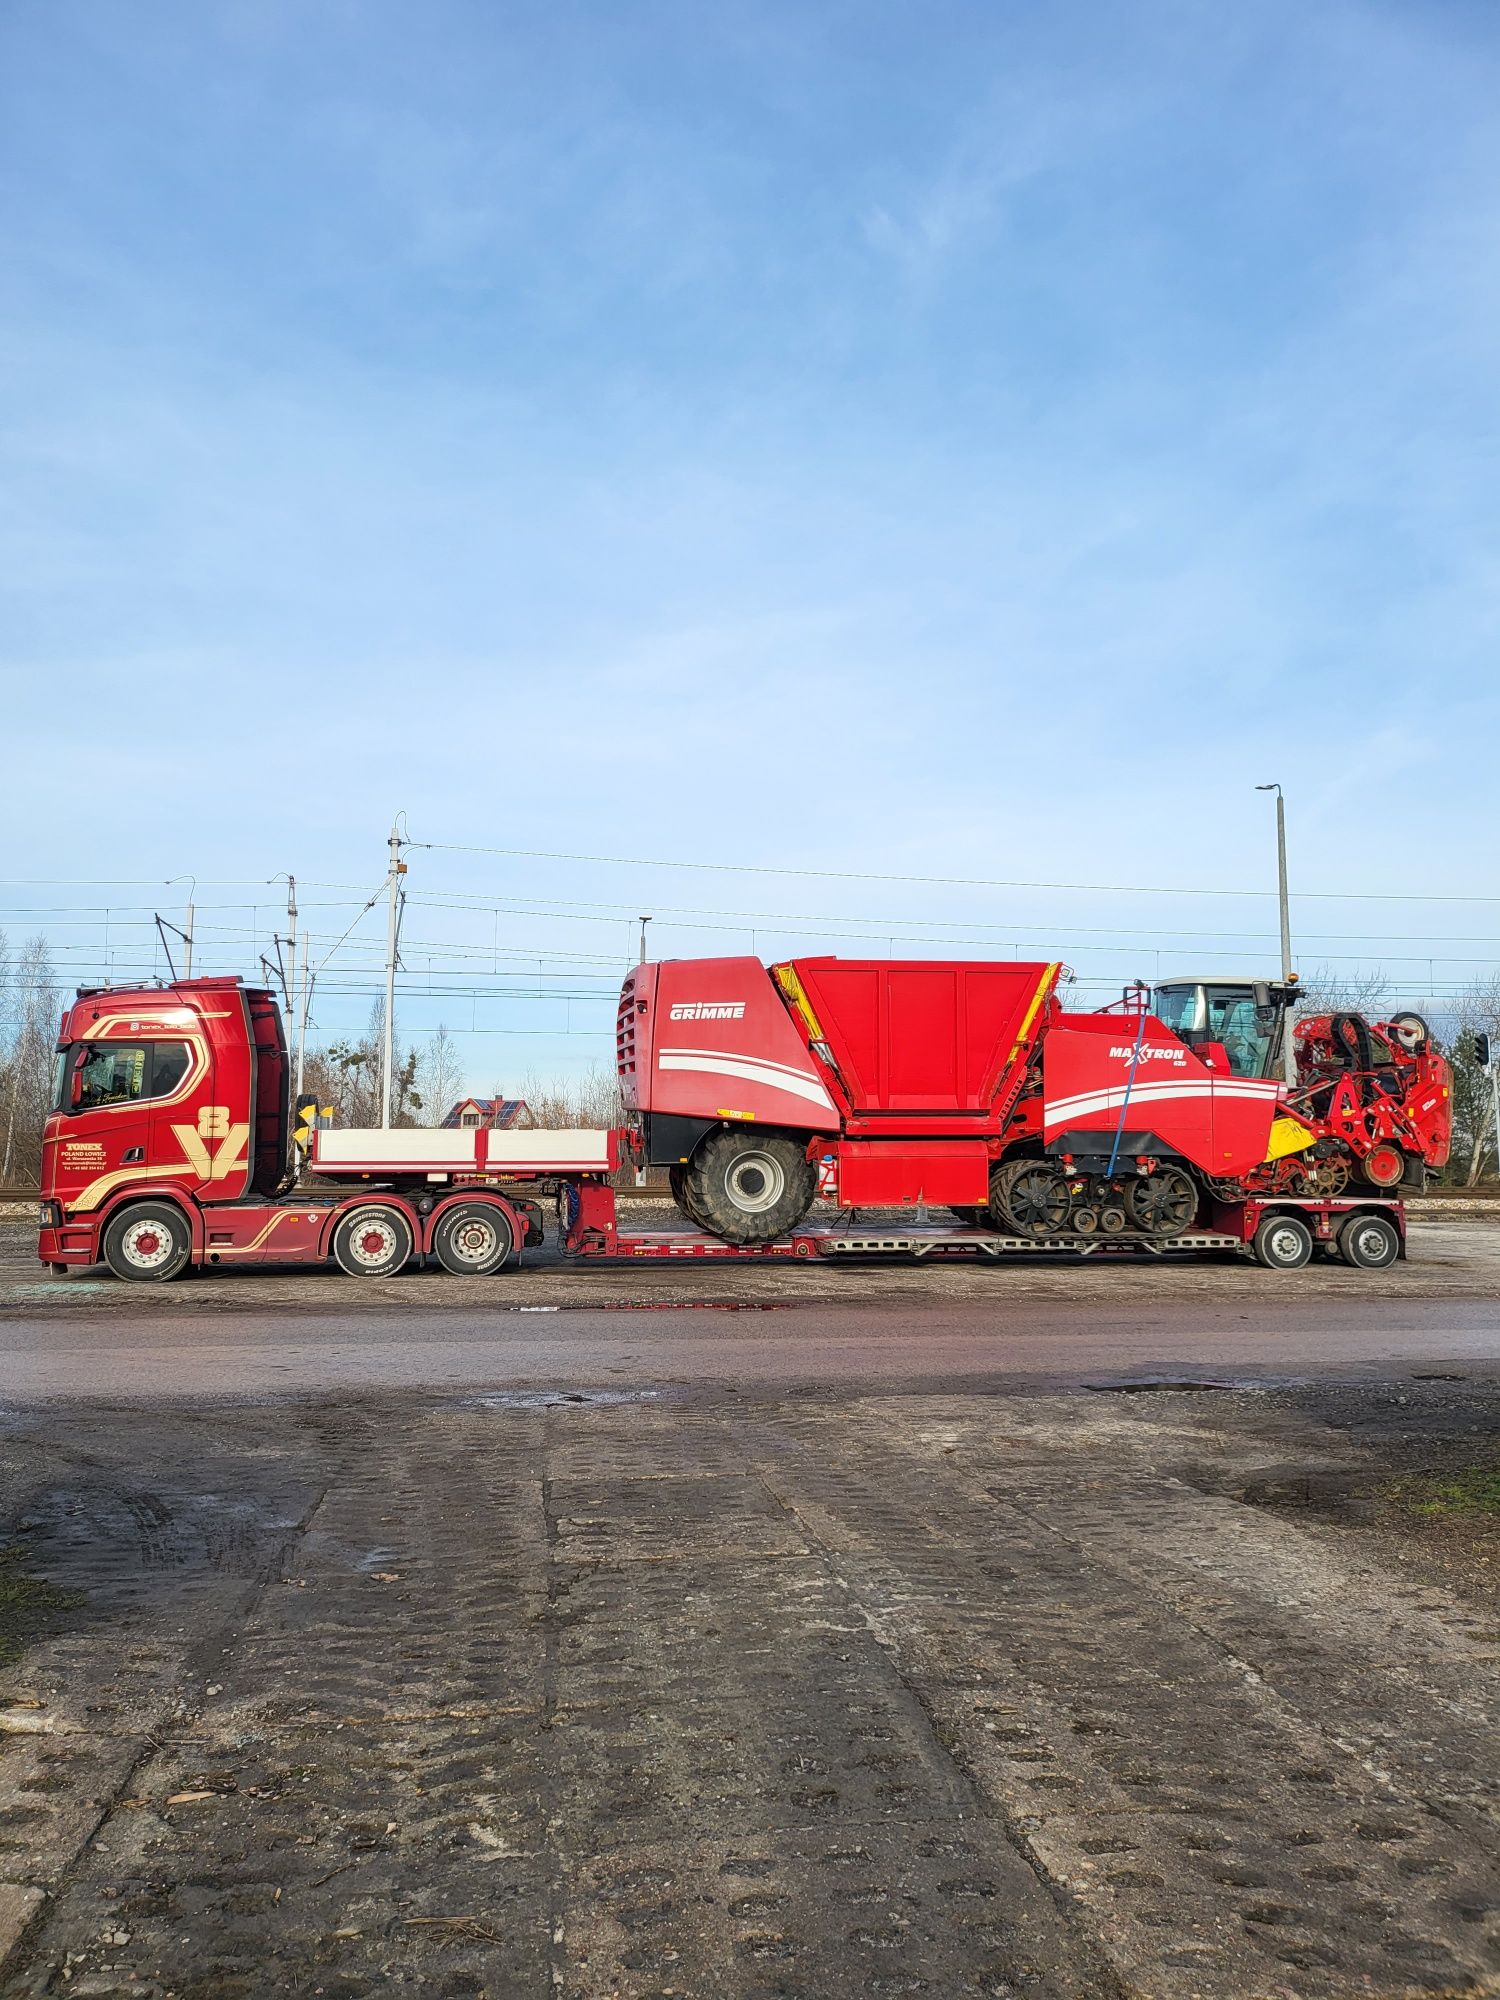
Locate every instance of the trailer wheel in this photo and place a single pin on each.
(1369, 1241)
(373, 1242)
(749, 1187)
(1283, 1243)
(472, 1242)
(148, 1243)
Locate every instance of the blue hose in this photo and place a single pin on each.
(1135, 1057)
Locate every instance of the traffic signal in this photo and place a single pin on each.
(1482, 1050)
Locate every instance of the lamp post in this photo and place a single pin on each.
(1289, 1061)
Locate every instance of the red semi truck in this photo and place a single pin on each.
(960, 1086)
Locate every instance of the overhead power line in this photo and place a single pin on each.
(942, 881)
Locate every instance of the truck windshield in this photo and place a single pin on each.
(121, 1072)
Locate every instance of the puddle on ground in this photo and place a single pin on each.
(554, 1399)
(1160, 1385)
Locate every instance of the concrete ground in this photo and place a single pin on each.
(905, 1631)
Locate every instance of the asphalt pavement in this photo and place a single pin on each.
(1025, 1632)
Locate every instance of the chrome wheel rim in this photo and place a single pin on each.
(1371, 1245)
(474, 1240)
(147, 1245)
(373, 1241)
(755, 1183)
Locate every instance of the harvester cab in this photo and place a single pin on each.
(1238, 1025)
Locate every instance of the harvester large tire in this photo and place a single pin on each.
(748, 1187)
(1030, 1197)
(682, 1194)
(1162, 1204)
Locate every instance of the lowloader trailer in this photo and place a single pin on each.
(167, 1149)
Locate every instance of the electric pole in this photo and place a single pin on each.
(1289, 1060)
(291, 917)
(392, 930)
(305, 999)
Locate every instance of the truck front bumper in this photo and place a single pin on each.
(67, 1242)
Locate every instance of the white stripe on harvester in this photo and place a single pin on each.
(716, 1062)
(1154, 1095)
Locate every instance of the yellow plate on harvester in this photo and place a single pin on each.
(1288, 1135)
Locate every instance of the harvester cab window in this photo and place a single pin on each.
(1180, 1008)
(1243, 1028)
(125, 1072)
(1201, 1014)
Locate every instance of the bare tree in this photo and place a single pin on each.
(26, 1053)
(346, 1074)
(1476, 1011)
(440, 1076)
(1326, 991)
(591, 1100)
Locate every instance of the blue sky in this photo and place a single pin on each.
(973, 440)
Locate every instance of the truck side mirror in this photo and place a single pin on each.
(1261, 994)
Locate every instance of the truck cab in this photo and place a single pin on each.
(1234, 1024)
(181, 1087)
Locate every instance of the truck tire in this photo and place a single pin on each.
(1369, 1241)
(148, 1243)
(474, 1240)
(1283, 1243)
(373, 1242)
(749, 1187)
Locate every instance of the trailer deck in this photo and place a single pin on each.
(591, 1229)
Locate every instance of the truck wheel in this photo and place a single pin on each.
(1283, 1243)
(373, 1242)
(1163, 1203)
(1369, 1242)
(472, 1242)
(148, 1243)
(749, 1187)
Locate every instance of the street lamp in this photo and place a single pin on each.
(1286, 913)
(1288, 1056)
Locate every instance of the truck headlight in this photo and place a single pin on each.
(50, 1215)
